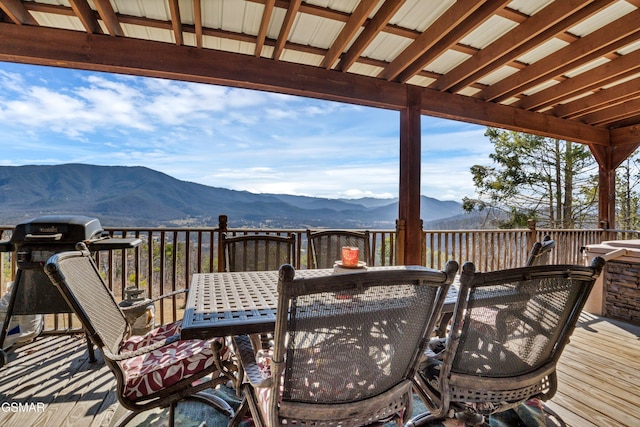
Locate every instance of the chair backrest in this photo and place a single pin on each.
(80, 283)
(347, 345)
(508, 332)
(258, 252)
(541, 252)
(325, 247)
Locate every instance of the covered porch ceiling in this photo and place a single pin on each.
(567, 69)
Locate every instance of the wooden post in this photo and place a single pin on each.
(410, 165)
(531, 234)
(400, 238)
(222, 228)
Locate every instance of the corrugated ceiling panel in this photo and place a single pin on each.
(490, 30)
(346, 6)
(386, 47)
(315, 31)
(227, 45)
(128, 7)
(186, 12)
(633, 77)
(252, 18)
(497, 75)
(468, 91)
(155, 9)
(447, 61)
(418, 80)
(189, 39)
(602, 18)
(275, 24)
(212, 13)
(529, 7)
(543, 50)
(147, 33)
(415, 16)
(586, 67)
(541, 86)
(301, 57)
(629, 48)
(232, 15)
(58, 21)
(365, 69)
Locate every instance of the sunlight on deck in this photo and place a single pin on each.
(51, 382)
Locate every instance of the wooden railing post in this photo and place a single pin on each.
(531, 234)
(222, 228)
(400, 241)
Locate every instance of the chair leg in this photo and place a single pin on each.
(470, 418)
(240, 413)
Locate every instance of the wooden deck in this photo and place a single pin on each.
(599, 375)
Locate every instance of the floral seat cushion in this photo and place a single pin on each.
(164, 367)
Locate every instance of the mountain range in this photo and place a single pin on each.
(122, 196)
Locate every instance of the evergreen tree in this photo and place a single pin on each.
(627, 195)
(533, 177)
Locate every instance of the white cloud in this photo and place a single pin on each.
(225, 137)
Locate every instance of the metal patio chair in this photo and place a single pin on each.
(541, 252)
(153, 370)
(257, 252)
(325, 246)
(508, 332)
(346, 348)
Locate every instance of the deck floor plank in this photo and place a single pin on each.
(598, 373)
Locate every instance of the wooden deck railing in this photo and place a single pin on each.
(168, 257)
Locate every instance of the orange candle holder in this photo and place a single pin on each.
(350, 255)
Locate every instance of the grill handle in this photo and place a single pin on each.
(57, 236)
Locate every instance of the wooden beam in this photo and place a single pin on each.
(197, 19)
(109, 17)
(443, 26)
(453, 34)
(625, 135)
(592, 46)
(16, 11)
(621, 111)
(264, 26)
(410, 166)
(358, 17)
(285, 30)
(600, 100)
(86, 15)
(73, 49)
(524, 37)
(176, 21)
(624, 65)
(371, 30)
(606, 186)
(458, 107)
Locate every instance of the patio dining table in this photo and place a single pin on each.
(227, 304)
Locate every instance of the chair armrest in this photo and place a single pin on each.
(133, 311)
(248, 360)
(142, 350)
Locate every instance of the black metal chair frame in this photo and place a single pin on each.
(321, 324)
(257, 251)
(546, 299)
(325, 257)
(79, 281)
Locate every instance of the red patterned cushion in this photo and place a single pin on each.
(166, 366)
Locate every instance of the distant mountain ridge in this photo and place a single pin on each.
(138, 196)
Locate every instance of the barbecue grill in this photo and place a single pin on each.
(34, 242)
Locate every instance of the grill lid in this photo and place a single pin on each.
(57, 229)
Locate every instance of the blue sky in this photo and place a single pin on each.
(224, 137)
